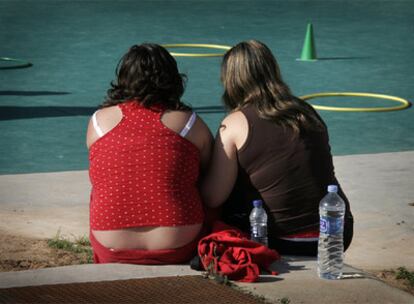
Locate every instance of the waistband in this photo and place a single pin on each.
(102, 254)
(308, 236)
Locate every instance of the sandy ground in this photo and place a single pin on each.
(22, 253)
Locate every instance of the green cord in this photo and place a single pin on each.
(19, 63)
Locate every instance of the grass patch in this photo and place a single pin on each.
(400, 278)
(80, 245)
(404, 274)
(219, 278)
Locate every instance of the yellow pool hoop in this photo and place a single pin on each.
(197, 45)
(405, 103)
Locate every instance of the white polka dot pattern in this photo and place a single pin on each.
(143, 174)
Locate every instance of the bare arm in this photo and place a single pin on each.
(222, 172)
(91, 135)
(206, 145)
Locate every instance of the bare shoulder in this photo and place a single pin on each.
(175, 120)
(108, 114)
(234, 128)
(177, 114)
(234, 120)
(200, 124)
(106, 119)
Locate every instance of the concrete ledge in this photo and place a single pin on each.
(297, 281)
(90, 273)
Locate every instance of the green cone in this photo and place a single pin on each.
(308, 50)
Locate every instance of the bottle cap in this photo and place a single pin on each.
(333, 188)
(257, 203)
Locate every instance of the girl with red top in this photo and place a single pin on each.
(146, 152)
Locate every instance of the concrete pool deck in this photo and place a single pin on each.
(380, 188)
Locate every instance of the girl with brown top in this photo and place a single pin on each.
(272, 146)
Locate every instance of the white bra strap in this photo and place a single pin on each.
(98, 130)
(188, 125)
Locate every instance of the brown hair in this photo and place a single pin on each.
(148, 74)
(250, 75)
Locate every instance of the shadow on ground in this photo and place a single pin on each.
(17, 112)
(31, 93)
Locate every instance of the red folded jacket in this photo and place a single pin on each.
(231, 253)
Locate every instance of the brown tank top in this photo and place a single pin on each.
(290, 173)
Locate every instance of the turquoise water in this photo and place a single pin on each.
(75, 45)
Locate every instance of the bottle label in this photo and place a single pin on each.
(331, 225)
(259, 231)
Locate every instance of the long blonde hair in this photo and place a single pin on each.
(250, 75)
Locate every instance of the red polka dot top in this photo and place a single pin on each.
(143, 174)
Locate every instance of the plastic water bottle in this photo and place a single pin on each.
(258, 223)
(330, 246)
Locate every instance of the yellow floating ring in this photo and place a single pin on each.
(404, 103)
(196, 45)
(18, 63)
